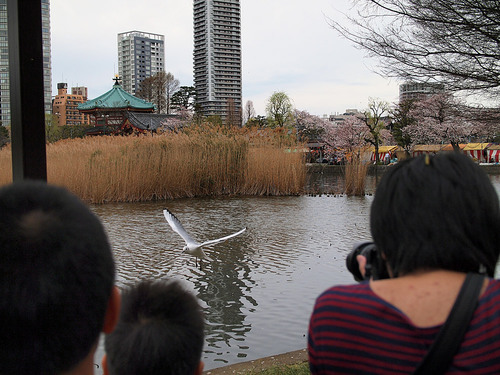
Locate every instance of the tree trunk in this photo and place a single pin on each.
(377, 159)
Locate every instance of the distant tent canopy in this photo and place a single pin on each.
(494, 154)
(426, 149)
(449, 147)
(480, 152)
(383, 152)
(476, 150)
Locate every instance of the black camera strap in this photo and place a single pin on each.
(450, 336)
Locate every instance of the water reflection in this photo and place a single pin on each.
(332, 181)
(259, 288)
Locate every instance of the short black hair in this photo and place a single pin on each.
(160, 331)
(439, 212)
(56, 278)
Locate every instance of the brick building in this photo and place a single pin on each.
(65, 106)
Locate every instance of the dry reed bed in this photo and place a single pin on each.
(355, 177)
(204, 161)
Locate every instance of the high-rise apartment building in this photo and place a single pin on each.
(418, 90)
(46, 53)
(4, 61)
(217, 57)
(140, 55)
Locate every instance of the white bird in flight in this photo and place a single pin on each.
(192, 246)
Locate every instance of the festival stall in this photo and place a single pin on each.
(383, 152)
(449, 147)
(493, 152)
(476, 151)
(426, 149)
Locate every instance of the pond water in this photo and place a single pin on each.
(258, 290)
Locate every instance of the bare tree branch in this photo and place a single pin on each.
(452, 42)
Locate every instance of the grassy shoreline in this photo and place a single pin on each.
(291, 363)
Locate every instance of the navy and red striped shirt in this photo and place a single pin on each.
(353, 331)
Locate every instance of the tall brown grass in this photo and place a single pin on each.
(355, 177)
(201, 161)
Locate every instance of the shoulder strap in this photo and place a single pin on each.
(450, 336)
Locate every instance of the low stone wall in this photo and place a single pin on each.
(493, 169)
(339, 169)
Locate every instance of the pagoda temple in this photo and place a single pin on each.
(118, 112)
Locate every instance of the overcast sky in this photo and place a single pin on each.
(287, 46)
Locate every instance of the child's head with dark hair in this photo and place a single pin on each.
(160, 331)
(439, 212)
(56, 279)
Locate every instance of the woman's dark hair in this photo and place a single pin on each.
(439, 212)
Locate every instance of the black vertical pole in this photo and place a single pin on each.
(29, 159)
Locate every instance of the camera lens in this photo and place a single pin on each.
(351, 261)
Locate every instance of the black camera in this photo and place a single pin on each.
(375, 265)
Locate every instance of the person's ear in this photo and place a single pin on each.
(199, 370)
(104, 364)
(361, 259)
(113, 311)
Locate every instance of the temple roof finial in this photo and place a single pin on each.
(117, 79)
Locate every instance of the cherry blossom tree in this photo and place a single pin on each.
(486, 123)
(386, 137)
(440, 119)
(309, 127)
(348, 136)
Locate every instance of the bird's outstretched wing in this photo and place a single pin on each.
(222, 239)
(178, 228)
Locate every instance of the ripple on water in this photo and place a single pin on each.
(258, 291)
(259, 288)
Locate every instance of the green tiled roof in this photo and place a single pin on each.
(116, 98)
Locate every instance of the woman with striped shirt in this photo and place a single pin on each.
(433, 220)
